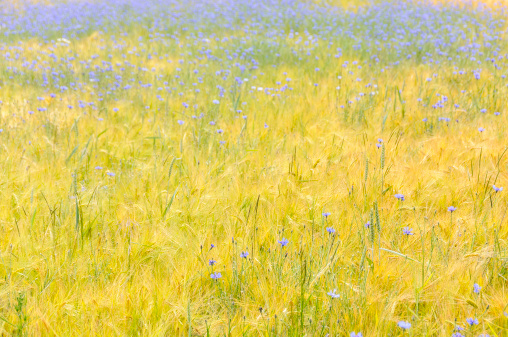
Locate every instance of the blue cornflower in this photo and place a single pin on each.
(472, 321)
(212, 246)
(404, 325)
(244, 254)
(476, 288)
(180, 122)
(452, 209)
(330, 230)
(457, 334)
(211, 262)
(399, 196)
(98, 167)
(111, 174)
(215, 276)
(367, 224)
(481, 129)
(407, 231)
(497, 189)
(333, 294)
(355, 334)
(326, 214)
(283, 242)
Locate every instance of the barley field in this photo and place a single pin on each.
(253, 168)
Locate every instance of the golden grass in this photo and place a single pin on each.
(99, 255)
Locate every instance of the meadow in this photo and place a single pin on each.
(253, 168)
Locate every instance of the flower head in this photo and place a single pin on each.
(244, 254)
(404, 325)
(399, 196)
(283, 242)
(211, 262)
(356, 334)
(330, 230)
(333, 294)
(472, 321)
(215, 276)
(452, 209)
(476, 288)
(497, 189)
(326, 214)
(407, 231)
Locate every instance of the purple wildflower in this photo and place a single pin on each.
(283, 242)
(407, 231)
(333, 294)
(399, 196)
(472, 321)
(404, 325)
(215, 276)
